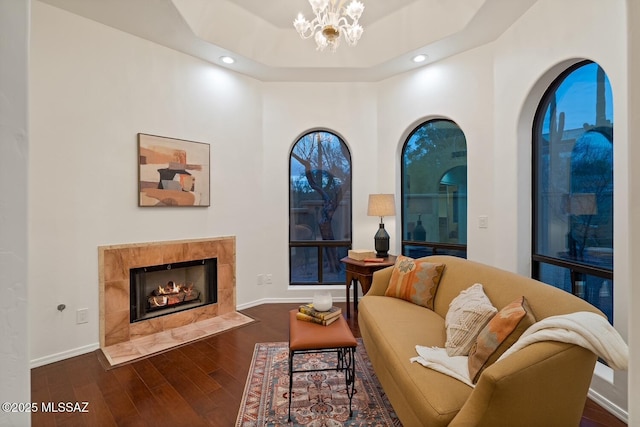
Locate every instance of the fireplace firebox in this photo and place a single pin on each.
(168, 288)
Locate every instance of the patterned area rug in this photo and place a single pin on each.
(319, 398)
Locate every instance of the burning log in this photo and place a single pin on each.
(172, 294)
(170, 288)
(155, 301)
(190, 293)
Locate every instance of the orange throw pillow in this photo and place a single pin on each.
(500, 333)
(415, 281)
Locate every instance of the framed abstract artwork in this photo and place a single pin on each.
(172, 172)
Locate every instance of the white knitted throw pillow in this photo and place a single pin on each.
(468, 313)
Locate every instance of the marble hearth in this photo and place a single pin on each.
(115, 262)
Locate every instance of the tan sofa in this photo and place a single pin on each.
(544, 384)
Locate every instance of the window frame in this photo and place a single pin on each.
(437, 248)
(320, 245)
(576, 269)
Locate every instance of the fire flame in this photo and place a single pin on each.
(171, 288)
(174, 288)
(172, 293)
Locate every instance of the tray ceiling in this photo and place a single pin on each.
(259, 34)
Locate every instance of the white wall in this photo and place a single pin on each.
(14, 345)
(633, 208)
(536, 58)
(459, 89)
(93, 88)
(492, 93)
(292, 109)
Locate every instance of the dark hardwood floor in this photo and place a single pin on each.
(199, 384)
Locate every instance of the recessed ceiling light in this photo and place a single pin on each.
(420, 58)
(227, 59)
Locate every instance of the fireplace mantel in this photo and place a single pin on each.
(114, 263)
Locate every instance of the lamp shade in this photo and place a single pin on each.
(381, 205)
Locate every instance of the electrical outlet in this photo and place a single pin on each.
(268, 279)
(483, 221)
(260, 279)
(82, 316)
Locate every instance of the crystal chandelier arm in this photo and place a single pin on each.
(318, 6)
(301, 24)
(353, 33)
(305, 28)
(339, 6)
(331, 22)
(354, 10)
(321, 41)
(315, 25)
(343, 23)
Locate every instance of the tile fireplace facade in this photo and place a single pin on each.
(114, 263)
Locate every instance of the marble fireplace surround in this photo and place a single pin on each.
(114, 263)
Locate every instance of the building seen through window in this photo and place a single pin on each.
(434, 190)
(573, 186)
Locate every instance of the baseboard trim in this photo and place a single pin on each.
(294, 300)
(79, 351)
(609, 406)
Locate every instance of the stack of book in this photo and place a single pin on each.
(360, 254)
(307, 313)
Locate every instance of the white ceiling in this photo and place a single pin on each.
(282, 17)
(259, 33)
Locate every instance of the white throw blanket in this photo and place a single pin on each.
(588, 330)
(436, 358)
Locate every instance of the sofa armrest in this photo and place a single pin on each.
(380, 281)
(543, 384)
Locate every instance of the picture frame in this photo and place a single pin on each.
(172, 172)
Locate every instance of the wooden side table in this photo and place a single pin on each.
(362, 272)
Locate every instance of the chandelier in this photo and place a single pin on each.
(330, 22)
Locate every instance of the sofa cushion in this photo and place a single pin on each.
(415, 281)
(391, 329)
(498, 335)
(468, 313)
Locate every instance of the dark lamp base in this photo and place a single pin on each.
(381, 240)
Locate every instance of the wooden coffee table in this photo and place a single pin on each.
(360, 271)
(307, 337)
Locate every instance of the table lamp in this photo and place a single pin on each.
(381, 205)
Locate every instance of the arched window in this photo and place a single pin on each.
(573, 186)
(434, 190)
(319, 209)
